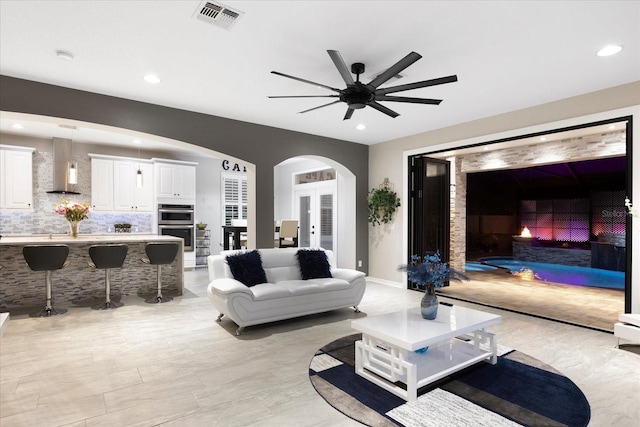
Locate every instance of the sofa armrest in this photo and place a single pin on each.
(228, 286)
(346, 274)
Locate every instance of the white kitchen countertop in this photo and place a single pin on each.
(42, 239)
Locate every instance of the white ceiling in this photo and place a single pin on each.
(507, 55)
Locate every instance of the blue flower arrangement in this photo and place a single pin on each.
(430, 271)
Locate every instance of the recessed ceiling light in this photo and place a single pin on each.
(612, 126)
(609, 50)
(137, 141)
(17, 126)
(152, 78)
(361, 126)
(63, 54)
(542, 138)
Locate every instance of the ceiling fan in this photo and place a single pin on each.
(358, 95)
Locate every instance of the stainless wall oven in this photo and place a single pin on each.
(178, 221)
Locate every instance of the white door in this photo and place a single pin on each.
(316, 210)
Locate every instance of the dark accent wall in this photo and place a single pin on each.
(261, 145)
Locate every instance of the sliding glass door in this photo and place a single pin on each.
(429, 207)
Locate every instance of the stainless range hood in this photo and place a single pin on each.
(61, 160)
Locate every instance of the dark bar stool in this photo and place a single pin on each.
(107, 257)
(160, 254)
(46, 258)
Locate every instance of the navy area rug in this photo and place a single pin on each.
(518, 390)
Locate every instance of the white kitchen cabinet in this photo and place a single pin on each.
(16, 177)
(127, 196)
(189, 259)
(176, 180)
(101, 184)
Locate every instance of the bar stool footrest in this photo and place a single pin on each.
(48, 312)
(107, 305)
(158, 299)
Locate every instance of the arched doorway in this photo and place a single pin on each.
(333, 199)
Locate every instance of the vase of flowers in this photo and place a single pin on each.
(74, 213)
(428, 273)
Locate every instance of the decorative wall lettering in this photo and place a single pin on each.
(226, 165)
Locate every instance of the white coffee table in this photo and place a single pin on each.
(387, 352)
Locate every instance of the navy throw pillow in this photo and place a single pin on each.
(313, 264)
(247, 268)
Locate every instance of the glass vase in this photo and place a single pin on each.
(429, 303)
(73, 228)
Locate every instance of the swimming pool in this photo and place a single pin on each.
(582, 276)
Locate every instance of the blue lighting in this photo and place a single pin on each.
(571, 275)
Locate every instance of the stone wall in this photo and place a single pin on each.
(607, 144)
(574, 257)
(78, 283)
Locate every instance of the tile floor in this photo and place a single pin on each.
(173, 365)
(582, 305)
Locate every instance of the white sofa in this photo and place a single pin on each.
(285, 295)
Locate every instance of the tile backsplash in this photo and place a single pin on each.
(43, 219)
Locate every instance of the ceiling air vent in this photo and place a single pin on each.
(217, 14)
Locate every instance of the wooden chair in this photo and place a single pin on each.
(288, 234)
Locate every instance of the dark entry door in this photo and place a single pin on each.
(429, 206)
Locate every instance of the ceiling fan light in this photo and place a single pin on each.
(152, 78)
(361, 126)
(65, 55)
(609, 50)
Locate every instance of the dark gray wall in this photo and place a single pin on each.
(261, 145)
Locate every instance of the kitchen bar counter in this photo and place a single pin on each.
(93, 239)
(78, 283)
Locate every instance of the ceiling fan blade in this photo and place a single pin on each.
(407, 99)
(305, 81)
(349, 113)
(322, 106)
(395, 69)
(417, 85)
(341, 66)
(304, 96)
(383, 109)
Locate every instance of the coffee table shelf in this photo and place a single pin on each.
(457, 338)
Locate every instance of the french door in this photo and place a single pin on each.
(316, 210)
(429, 207)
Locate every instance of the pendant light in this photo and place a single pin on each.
(139, 182)
(73, 173)
(72, 167)
(139, 178)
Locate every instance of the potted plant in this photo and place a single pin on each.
(383, 203)
(428, 273)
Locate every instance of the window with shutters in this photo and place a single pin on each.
(234, 197)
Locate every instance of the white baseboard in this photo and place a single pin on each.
(4, 322)
(385, 282)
